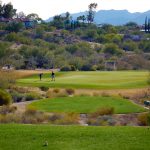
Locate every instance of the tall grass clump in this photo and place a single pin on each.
(7, 78)
(144, 119)
(32, 116)
(44, 88)
(103, 111)
(5, 98)
(68, 119)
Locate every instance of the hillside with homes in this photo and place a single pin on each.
(28, 42)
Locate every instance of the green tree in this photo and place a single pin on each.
(7, 11)
(34, 17)
(81, 18)
(58, 22)
(146, 24)
(112, 49)
(91, 12)
(130, 46)
(21, 15)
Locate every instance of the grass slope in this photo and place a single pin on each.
(32, 137)
(96, 80)
(86, 104)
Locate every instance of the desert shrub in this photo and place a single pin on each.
(27, 119)
(104, 94)
(70, 91)
(92, 121)
(17, 97)
(19, 89)
(56, 93)
(86, 68)
(141, 95)
(54, 117)
(124, 96)
(68, 119)
(56, 90)
(144, 119)
(31, 115)
(10, 118)
(61, 94)
(94, 68)
(30, 111)
(5, 98)
(32, 96)
(7, 78)
(44, 88)
(106, 120)
(101, 67)
(73, 68)
(7, 109)
(49, 94)
(66, 68)
(103, 111)
(95, 94)
(102, 121)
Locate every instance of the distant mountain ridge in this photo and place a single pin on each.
(115, 17)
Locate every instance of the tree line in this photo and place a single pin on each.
(147, 25)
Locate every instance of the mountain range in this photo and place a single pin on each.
(115, 17)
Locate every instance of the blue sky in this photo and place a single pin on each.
(48, 8)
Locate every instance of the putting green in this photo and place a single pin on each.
(86, 104)
(90, 80)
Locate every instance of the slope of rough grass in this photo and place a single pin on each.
(90, 80)
(86, 104)
(33, 137)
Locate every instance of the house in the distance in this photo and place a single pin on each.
(110, 65)
(28, 23)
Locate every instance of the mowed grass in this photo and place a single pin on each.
(90, 80)
(33, 137)
(86, 104)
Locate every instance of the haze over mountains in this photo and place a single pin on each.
(115, 17)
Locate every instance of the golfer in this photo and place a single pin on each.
(53, 76)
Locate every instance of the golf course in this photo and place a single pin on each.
(118, 130)
(90, 80)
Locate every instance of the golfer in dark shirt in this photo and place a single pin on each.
(40, 75)
(53, 76)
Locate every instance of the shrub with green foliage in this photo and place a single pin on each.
(14, 26)
(44, 88)
(112, 49)
(66, 68)
(5, 98)
(32, 96)
(17, 97)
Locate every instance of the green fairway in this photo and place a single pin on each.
(33, 137)
(86, 104)
(96, 80)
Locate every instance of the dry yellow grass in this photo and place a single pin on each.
(109, 92)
